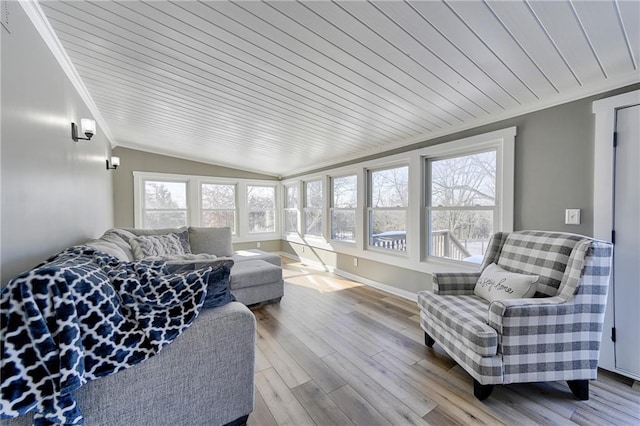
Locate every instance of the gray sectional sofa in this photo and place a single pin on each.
(205, 376)
(256, 276)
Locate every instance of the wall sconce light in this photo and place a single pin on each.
(115, 162)
(88, 128)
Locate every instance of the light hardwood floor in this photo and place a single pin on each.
(335, 352)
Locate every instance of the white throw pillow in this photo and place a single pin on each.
(496, 283)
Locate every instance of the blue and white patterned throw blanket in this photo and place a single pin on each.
(82, 315)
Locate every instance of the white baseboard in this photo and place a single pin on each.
(366, 281)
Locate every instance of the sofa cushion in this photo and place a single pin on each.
(255, 254)
(254, 273)
(157, 245)
(120, 238)
(464, 316)
(211, 240)
(497, 284)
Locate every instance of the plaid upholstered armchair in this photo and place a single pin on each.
(552, 336)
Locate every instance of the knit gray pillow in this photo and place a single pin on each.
(156, 245)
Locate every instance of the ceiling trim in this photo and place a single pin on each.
(580, 93)
(40, 21)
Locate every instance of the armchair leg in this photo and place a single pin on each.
(580, 389)
(481, 392)
(428, 340)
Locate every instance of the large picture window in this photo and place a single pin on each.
(344, 200)
(291, 204)
(313, 208)
(261, 204)
(461, 205)
(165, 204)
(388, 204)
(218, 203)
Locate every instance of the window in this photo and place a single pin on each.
(388, 203)
(291, 209)
(218, 203)
(261, 205)
(313, 208)
(461, 205)
(165, 204)
(343, 208)
(247, 206)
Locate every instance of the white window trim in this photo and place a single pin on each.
(332, 208)
(193, 201)
(285, 208)
(275, 209)
(496, 208)
(303, 225)
(502, 140)
(198, 217)
(368, 209)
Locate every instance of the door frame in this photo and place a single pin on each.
(603, 198)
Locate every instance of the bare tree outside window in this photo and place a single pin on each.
(219, 205)
(261, 202)
(462, 205)
(388, 203)
(291, 209)
(165, 204)
(313, 208)
(343, 208)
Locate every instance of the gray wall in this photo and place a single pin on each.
(133, 160)
(553, 171)
(55, 192)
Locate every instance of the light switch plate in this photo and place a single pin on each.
(572, 217)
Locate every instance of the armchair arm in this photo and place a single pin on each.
(454, 283)
(522, 316)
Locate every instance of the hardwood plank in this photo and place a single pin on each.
(395, 341)
(357, 408)
(262, 363)
(324, 376)
(261, 416)
(292, 374)
(310, 339)
(402, 390)
(320, 407)
(440, 416)
(388, 405)
(409, 307)
(283, 405)
(448, 401)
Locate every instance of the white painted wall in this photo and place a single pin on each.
(55, 192)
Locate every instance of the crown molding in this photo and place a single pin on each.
(44, 28)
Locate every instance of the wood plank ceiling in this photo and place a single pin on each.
(284, 87)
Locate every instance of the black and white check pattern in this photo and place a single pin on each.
(538, 339)
(544, 254)
(454, 283)
(465, 316)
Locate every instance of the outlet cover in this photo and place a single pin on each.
(572, 217)
(258, 244)
(355, 261)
